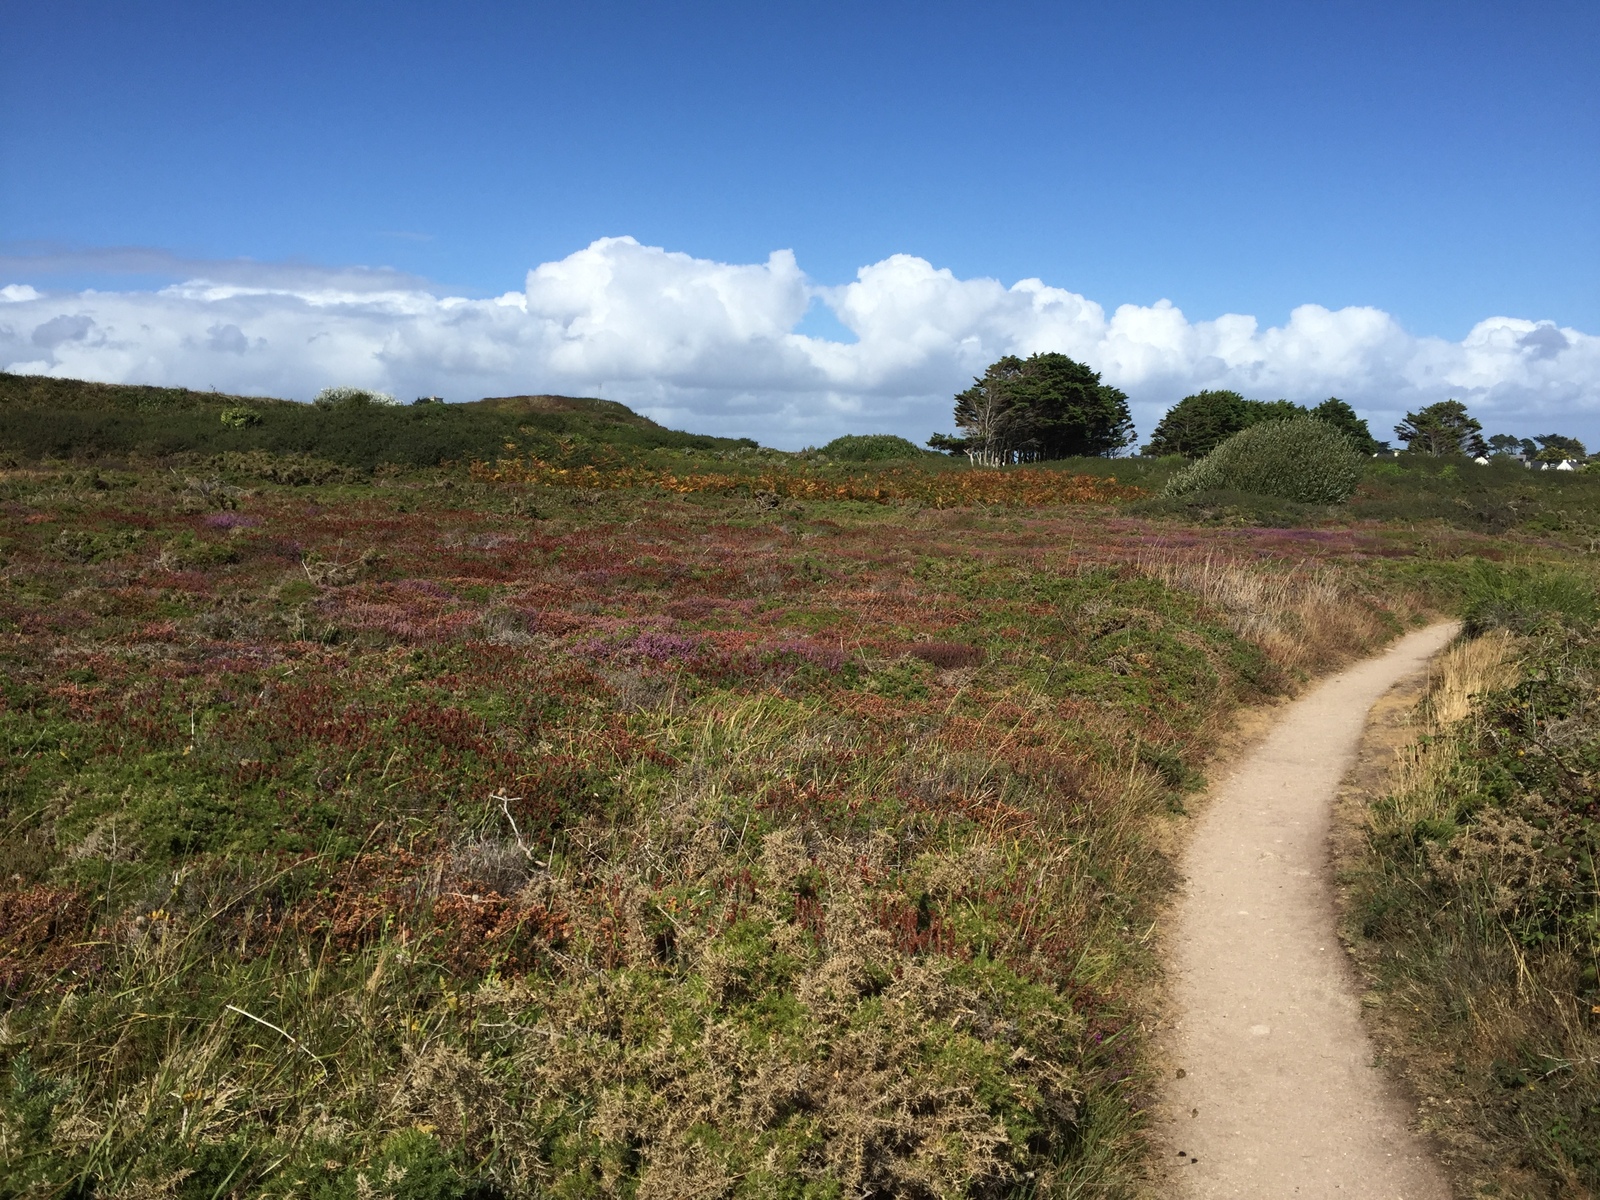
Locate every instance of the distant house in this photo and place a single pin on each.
(1481, 461)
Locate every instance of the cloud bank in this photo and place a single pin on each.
(717, 347)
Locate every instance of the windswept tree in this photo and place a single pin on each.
(1510, 446)
(1442, 429)
(994, 427)
(1046, 406)
(1342, 417)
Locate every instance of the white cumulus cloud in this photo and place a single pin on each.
(716, 346)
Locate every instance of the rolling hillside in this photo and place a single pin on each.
(69, 419)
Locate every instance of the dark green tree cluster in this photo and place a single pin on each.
(1553, 447)
(1446, 429)
(1046, 406)
(1334, 411)
(1200, 423)
(1548, 447)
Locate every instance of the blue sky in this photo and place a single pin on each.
(1438, 162)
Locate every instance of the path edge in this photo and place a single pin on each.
(1393, 726)
(1248, 729)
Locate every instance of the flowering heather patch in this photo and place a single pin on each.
(1029, 487)
(590, 839)
(231, 520)
(648, 644)
(806, 651)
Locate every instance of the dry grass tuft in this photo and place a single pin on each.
(1467, 670)
(1307, 619)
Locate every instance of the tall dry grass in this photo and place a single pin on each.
(1429, 772)
(1305, 618)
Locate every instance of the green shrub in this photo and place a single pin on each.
(240, 418)
(1524, 599)
(338, 397)
(411, 1166)
(1301, 459)
(292, 470)
(871, 447)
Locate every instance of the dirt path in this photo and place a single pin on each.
(1274, 1093)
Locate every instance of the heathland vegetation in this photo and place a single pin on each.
(523, 799)
(348, 428)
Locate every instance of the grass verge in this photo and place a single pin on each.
(1475, 906)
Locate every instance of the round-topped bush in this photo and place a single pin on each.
(1301, 459)
(871, 447)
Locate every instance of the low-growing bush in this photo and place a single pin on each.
(1221, 506)
(1302, 459)
(1524, 599)
(871, 447)
(336, 397)
(292, 470)
(240, 418)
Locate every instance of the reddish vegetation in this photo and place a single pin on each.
(1018, 487)
(44, 932)
(724, 760)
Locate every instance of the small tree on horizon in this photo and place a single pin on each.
(1201, 422)
(1442, 429)
(1047, 406)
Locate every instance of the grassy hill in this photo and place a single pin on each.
(44, 418)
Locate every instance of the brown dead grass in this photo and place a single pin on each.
(1307, 619)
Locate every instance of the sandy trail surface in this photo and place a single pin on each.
(1273, 1091)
